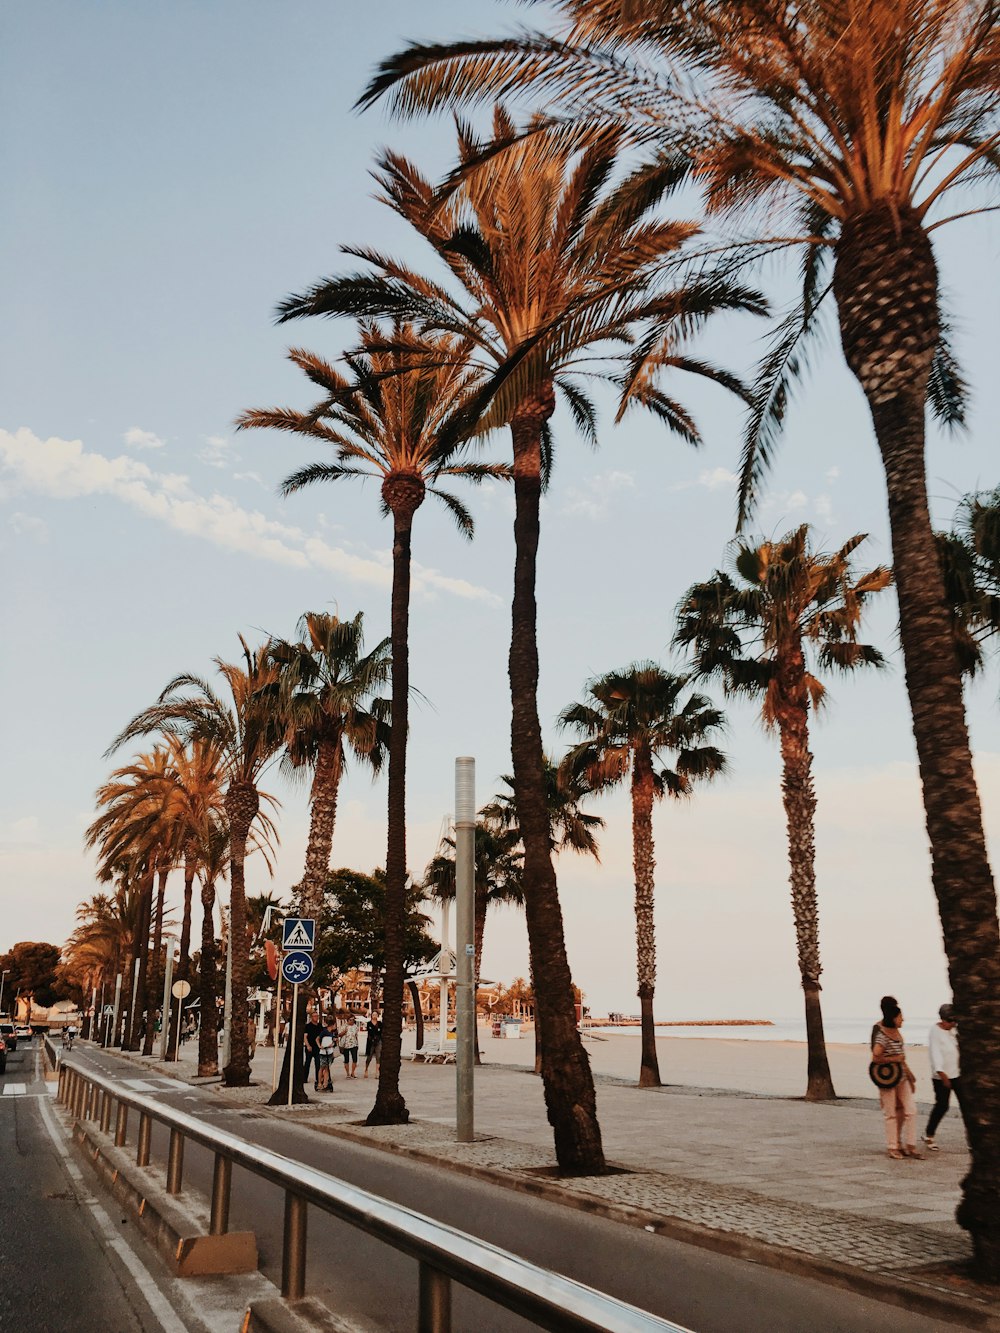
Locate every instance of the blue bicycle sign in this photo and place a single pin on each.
(296, 967)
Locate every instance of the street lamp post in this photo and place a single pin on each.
(3, 976)
(465, 985)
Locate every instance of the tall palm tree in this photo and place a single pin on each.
(553, 267)
(864, 128)
(571, 828)
(333, 709)
(630, 721)
(757, 629)
(131, 833)
(246, 731)
(388, 419)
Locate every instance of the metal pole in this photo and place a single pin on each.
(121, 1126)
(133, 1017)
(221, 1180)
(435, 1301)
(145, 1133)
(465, 946)
(291, 1042)
(93, 1014)
(443, 962)
(177, 1043)
(114, 1021)
(293, 1257)
(168, 981)
(175, 1162)
(3, 977)
(106, 1113)
(277, 1028)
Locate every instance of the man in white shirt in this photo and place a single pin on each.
(942, 1047)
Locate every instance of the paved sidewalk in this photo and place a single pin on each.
(811, 1181)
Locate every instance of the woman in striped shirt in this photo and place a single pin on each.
(899, 1104)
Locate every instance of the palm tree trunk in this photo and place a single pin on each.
(242, 804)
(208, 1032)
(886, 263)
(155, 973)
(403, 496)
(569, 1086)
(799, 797)
(643, 865)
(184, 962)
(139, 1008)
(322, 817)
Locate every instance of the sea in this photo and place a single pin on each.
(849, 1031)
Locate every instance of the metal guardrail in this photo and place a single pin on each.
(444, 1254)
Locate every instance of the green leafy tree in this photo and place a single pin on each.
(33, 969)
(352, 932)
(756, 629)
(630, 722)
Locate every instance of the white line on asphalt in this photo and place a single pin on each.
(15, 1089)
(141, 1275)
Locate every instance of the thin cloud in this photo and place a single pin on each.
(64, 470)
(25, 525)
(136, 438)
(217, 452)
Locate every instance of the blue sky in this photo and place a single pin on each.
(172, 172)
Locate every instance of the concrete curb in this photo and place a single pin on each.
(915, 1292)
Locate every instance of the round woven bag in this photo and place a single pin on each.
(885, 1073)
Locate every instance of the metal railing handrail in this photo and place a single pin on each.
(444, 1253)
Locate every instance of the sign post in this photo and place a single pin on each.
(277, 1031)
(181, 990)
(296, 967)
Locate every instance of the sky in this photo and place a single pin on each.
(172, 171)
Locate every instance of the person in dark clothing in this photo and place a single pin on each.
(312, 1035)
(373, 1046)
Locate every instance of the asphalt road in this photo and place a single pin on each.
(59, 1273)
(375, 1287)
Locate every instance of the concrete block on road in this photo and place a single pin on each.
(174, 1229)
(306, 1316)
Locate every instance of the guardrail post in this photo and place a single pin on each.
(105, 1112)
(121, 1126)
(61, 1085)
(293, 1257)
(79, 1092)
(175, 1162)
(222, 1178)
(145, 1133)
(434, 1314)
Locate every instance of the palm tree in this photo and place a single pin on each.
(132, 834)
(554, 266)
(571, 828)
(388, 420)
(970, 558)
(857, 125)
(756, 630)
(631, 720)
(330, 684)
(246, 732)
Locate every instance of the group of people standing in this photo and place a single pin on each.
(899, 1102)
(339, 1036)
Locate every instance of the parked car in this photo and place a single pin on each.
(3, 1056)
(23, 1032)
(9, 1036)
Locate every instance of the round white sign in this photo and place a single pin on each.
(181, 990)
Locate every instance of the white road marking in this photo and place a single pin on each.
(15, 1089)
(140, 1274)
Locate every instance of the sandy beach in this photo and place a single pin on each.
(770, 1068)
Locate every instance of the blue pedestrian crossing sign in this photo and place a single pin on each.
(298, 932)
(297, 967)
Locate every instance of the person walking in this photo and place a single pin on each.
(942, 1047)
(312, 1034)
(327, 1054)
(899, 1104)
(349, 1046)
(373, 1044)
